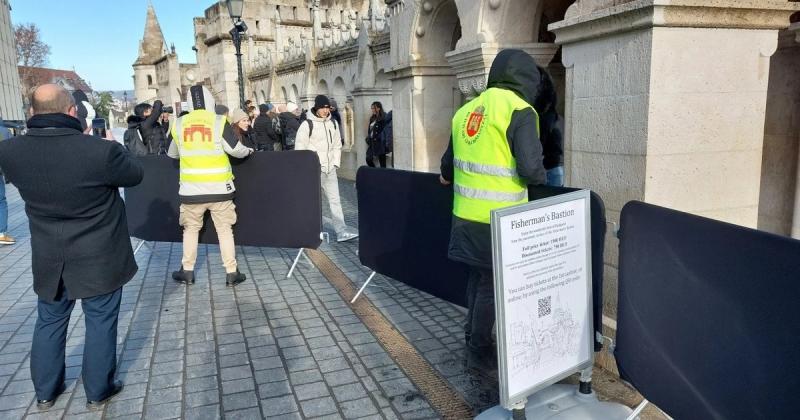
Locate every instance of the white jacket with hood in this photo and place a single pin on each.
(325, 140)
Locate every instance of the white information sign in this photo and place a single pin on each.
(543, 299)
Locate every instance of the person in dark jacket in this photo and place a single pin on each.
(79, 238)
(470, 241)
(290, 123)
(264, 129)
(375, 145)
(550, 129)
(152, 133)
(336, 116)
(132, 139)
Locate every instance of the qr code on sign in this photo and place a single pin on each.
(544, 306)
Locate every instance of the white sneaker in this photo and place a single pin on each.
(346, 236)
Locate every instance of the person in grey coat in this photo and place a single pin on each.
(79, 240)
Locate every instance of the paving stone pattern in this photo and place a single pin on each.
(270, 347)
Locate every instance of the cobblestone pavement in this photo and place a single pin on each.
(270, 347)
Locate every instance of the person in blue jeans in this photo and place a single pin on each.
(5, 238)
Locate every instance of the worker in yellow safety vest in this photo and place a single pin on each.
(202, 141)
(494, 154)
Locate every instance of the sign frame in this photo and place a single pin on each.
(497, 216)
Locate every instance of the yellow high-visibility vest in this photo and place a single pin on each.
(198, 137)
(485, 170)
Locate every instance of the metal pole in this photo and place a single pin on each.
(237, 43)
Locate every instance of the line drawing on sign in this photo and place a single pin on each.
(549, 333)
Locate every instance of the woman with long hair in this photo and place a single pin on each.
(240, 122)
(375, 145)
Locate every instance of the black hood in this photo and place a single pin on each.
(134, 121)
(516, 70)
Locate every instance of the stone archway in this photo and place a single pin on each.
(424, 87)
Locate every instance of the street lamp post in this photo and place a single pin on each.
(235, 11)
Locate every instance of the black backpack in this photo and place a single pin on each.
(133, 142)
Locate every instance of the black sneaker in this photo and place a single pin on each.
(43, 405)
(183, 276)
(232, 279)
(98, 405)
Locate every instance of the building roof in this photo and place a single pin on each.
(153, 46)
(67, 78)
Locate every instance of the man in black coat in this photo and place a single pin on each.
(264, 129)
(79, 239)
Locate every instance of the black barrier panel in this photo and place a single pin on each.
(404, 225)
(598, 228)
(404, 220)
(707, 316)
(277, 201)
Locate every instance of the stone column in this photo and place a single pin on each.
(472, 64)
(795, 29)
(665, 103)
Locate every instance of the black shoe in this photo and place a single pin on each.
(482, 363)
(98, 405)
(183, 276)
(232, 279)
(47, 404)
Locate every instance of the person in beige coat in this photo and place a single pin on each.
(320, 134)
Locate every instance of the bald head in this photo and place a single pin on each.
(52, 99)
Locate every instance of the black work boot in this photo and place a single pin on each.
(183, 276)
(232, 279)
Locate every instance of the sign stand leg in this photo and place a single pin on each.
(296, 260)
(364, 286)
(518, 412)
(585, 385)
(638, 410)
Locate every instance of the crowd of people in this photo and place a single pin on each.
(507, 138)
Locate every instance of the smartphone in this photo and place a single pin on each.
(99, 127)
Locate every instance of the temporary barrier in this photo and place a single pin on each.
(278, 201)
(707, 324)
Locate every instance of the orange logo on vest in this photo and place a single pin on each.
(193, 130)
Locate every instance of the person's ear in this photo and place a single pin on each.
(73, 111)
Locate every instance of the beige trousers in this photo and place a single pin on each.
(224, 216)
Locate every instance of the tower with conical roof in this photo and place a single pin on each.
(152, 49)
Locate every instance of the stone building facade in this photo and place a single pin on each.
(690, 104)
(11, 107)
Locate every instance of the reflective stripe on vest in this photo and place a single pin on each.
(199, 140)
(486, 175)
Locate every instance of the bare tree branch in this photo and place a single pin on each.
(31, 52)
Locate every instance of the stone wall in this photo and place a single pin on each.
(11, 107)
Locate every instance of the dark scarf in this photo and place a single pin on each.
(58, 120)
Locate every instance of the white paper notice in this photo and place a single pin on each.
(545, 293)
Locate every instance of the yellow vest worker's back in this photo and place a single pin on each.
(204, 165)
(485, 170)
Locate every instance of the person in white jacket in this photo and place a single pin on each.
(320, 134)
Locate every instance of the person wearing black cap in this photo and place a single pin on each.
(320, 134)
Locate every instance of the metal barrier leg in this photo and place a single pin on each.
(138, 247)
(638, 410)
(364, 286)
(294, 264)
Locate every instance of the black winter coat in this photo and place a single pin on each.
(152, 133)
(264, 132)
(290, 123)
(375, 145)
(69, 182)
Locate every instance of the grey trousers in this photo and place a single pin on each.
(330, 188)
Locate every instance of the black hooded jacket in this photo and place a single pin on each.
(514, 70)
(152, 133)
(550, 123)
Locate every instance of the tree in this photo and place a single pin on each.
(31, 52)
(102, 104)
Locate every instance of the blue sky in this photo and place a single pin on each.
(100, 38)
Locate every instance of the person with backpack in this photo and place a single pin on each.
(375, 145)
(264, 128)
(321, 135)
(132, 139)
(290, 122)
(150, 130)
